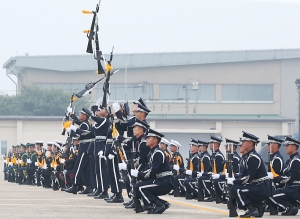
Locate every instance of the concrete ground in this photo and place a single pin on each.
(23, 201)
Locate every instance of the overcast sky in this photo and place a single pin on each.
(51, 27)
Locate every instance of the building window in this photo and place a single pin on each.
(3, 147)
(205, 92)
(131, 92)
(247, 92)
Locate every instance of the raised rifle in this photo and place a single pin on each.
(93, 41)
(230, 154)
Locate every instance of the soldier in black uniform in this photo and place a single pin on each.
(204, 171)
(39, 161)
(32, 156)
(276, 162)
(219, 183)
(192, 170)
(253, 186)
(157, 178)
(100, 130)
(178, 164)
(164, 143)
(217, 163)
(82, 166)
(288, 198)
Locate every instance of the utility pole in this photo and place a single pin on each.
(297, 82)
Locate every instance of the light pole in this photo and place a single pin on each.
(297, 82)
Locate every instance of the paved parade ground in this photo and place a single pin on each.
(23, 201)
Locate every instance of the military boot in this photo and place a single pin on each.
(251, 212)
(117, 199)
(158, 209)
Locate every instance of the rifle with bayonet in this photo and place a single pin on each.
(230, 154)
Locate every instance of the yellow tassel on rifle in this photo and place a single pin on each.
(87, 12)
(215, 168)
(73, 99)
(108, 67)
(273, 172)
(86, 31)
(67, 124)
(115, 132)
(191, 166)
(202, 167)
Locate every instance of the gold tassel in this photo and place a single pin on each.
(273, 172)
(202, 167)
(108, 67)
(215, 168)
(67, 124)
(191, 166)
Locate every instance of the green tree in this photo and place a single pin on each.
(36, 101)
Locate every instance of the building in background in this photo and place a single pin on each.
(192, 94)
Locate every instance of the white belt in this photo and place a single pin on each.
(296, 182)
(163, 174)
(260, 179)
(100, 137)
(87, 140)
(109, 140)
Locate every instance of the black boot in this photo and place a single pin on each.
(176, 193)
(117, 199)
(251, 212)
(80, 188)
(102, 195)
(261, 208)
(55, 186)
(292, 210)
(167, 204)
(87, 190)
(188, 195)
(94, 193)
(130, 206)
(148, 207)
(72, 189)
(158, 209)
(273, 209)
(128, 203)
(111, 197)
(210, 199)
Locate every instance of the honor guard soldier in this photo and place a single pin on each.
(40, 161)
(23, 167)
(253, 186)
(100, 130)
(156, 179)
(177, 162)
(288, 198)
(204, 172)
(276, 162)
(219, 184)
(164, 143)
(32, 156)
(191, 171)
(82, 166)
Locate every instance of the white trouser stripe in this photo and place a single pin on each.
(147, 186)
(279, 194)
(113, 162)
(239, 195)
(78, 168)
(181, 183)
(203, 182)
(101, 174)
(276, 203)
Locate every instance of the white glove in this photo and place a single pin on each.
(270, 175)
(65, 171)
(4, 161)
(69, 109)
(122, 166)
(68, 130)
(134, 172)
(100, 154)
(230, 181)
(62, 161)
(226, 175)
(55, 166)
(188, 172)
(110, 156)
(29, 161)
(45, 166)
(199, 174)
(17, 162)
(175, 167)
(10, 164)
(36, 164)
(73, 127)
(116, 106)
(216, 176)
